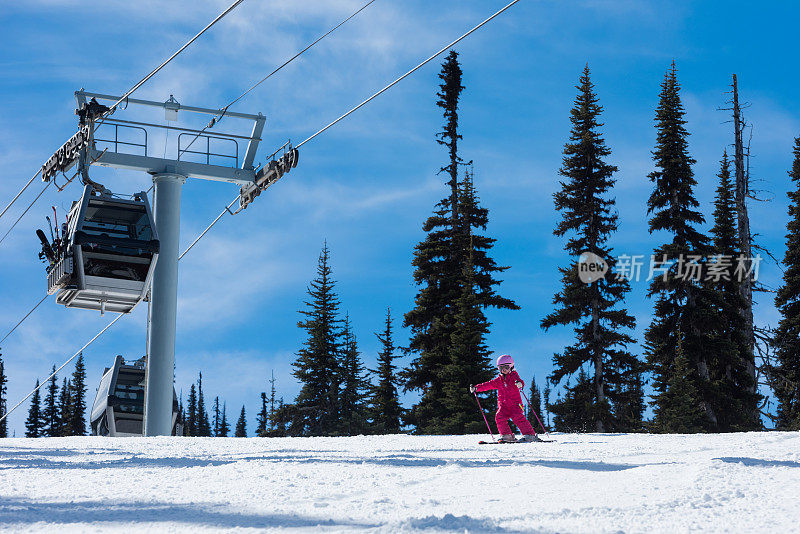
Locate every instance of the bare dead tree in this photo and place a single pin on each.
(745, 239)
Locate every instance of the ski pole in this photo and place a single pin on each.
(480, 409)
(535, 415)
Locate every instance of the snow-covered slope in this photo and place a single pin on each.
(583, 483)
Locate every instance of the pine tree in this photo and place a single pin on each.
(731, 382)
(50, 412)
(77, 418)
(262, 419)
(630, 406)
(576, 412)
(475, 247)
(469, 363)
(355, 386)
(180, 419)
(787, 336)
(34, 425)
(224, 427)
(535, 397)
(191, 428)
(546, 414)
(385, 409)
(217, 420)
(241, 425)
(203, 424)
(65, 406)
(683, 306)
(680, 411)
(281, 418)
(439, 267)
(3, 405)
(317, 365)
(588, 216)
(271, 418)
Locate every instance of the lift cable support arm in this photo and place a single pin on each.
(120, 155)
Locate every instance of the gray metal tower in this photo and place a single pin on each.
(123, 144)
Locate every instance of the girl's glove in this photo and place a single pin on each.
(519, 384)
(472, 389)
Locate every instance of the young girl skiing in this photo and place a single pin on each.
(509, 402)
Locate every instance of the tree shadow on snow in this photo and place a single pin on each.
(21, 511)
(757, 462)
(406, 460)
(127, 462)
(460, 523)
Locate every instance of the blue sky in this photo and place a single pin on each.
(367, 184)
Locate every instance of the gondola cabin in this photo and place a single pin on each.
(106, 256)
(118, 408)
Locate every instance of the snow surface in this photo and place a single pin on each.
(583, 483)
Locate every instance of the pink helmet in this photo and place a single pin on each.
(505, 359)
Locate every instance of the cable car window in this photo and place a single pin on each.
(94, 265)
(117, 221)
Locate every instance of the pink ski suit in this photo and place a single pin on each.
(509, 403)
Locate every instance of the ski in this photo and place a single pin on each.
(513, 442)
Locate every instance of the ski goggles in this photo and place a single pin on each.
(506, 367)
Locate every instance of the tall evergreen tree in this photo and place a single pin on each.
(34, 425)
(439, 267)
(272, 401)
(281, 418)
(731, 382)
(50, 412)
(385, 409)
(630, 406)
(679, 411)
(262, 419)
(684, 306)
(3, 404)
(224, 426)
(536, 402)
(575, 412)
(241, 425)
(588, 216)
(180, 419)
(203, 424)
(787, 335)
(355, 386)
(469, 362)
(65, 406)
(76, 423)
(217, 418)
(546, 414)
(191, 427)
(317, 365)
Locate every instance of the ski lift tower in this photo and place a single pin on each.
(122, 144)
